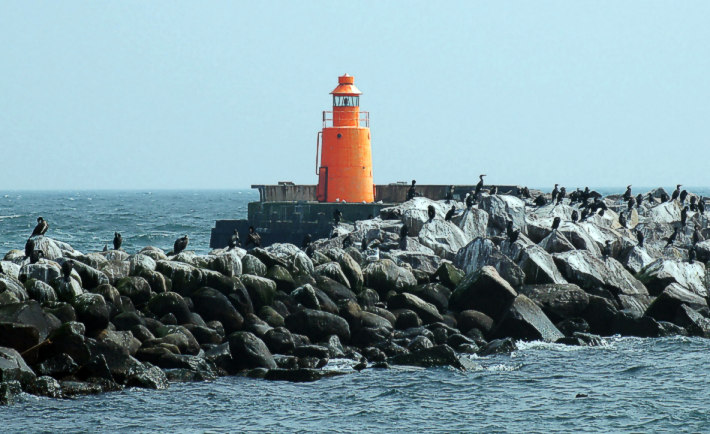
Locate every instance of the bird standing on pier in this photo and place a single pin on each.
(676, 192)
(253, 237)
(234, 241)
(650, 198)
(693, 203)
(512, 233)
(450, 213)
(41, 227)
(664, 197)
(555, 192)
(479, 186)
(631, 204)
(403, 233)
(627, 193)
(526, 193)
(701, 206)
(639, 237)
(672, 238)
(431, 212)
(67, 268)
(556, 223)
(412, 192)
(117, 241)
(35, 256)
(470, 200)
(180, 244)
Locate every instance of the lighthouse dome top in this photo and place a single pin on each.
(346, 86)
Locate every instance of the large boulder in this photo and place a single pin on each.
(448, 275)
(434, 293)
(136, 288)
(39, 291)
(140, 262)
(661, 273)
(636, 258)
(92, 311)
(384, 275)
(484, 290)
(212, 305)
(667, 212)
(261, 290)
(440, 355)
(184, 277)
(282, 277)
(31, 314)
(556, 242)
(559, 301)
(253, 265)
(248, 351)
(666, 305)
(444, 238)
(351, 269)
(539, 266)
(14, 287)
(90, 276)
(50, 247)
(426, 311)
(422, 261)
(318, 325)
(525, 320)
(46, 271)
(14, 368)
(473, 222)
(333, 270)
(116, 270)
(503, 208)
(413, 213)
(170, 303)
(482, 252)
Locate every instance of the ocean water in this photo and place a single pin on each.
(631, 384)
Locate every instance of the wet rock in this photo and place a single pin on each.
(426, 311)
(184, 277)
(440, 355)
(18, 336)
(248, 351)
(582, 340)
(29, 313)
(384, 275)
(271, 317)
(318, 325)
(306, 295)
(469, 319)
(484, 290)
(148, 377)
(498, 346)
(482, 252)
(45, 386)
(299, 375)
(559, 302)
(135, 288)
(692, 321)
(14, 368)
(626, 324)
(335, 291)
(9, 391)
(333, 271)
(79, 388)
(352, 271)
(407, 319)
(600, 315)
(91, 310)
(170, 302)
(279, 341)
(525, 320)
(419, 343)
(261, 290)
(571, 326)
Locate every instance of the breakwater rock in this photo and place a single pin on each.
(473, 284)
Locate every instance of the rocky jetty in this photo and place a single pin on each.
(494, 273)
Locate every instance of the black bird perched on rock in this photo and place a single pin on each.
(683, 195)
(337, 216)
(693, 203)
(639, 200)
(672, 237)
(450, 213)
(526, 193)
(639, 237)
(691, 254)
(363, 243)
(348, 241)
(29, 247)
(701, 206)
(606, 250)
(586, 194)
(512, 233)
(41, 227)
(470, 200)
(450, 194)
(585, 214)
(631, 204)
(35, 256)
(105, 248)
(561, 195)
(253, 237)
(306, 241)
(556, 223)
(676, 192)
(627, 193)
(575, 216)
(67, 267)
(664, 197)
(622, 220)
(234, 241)
(684, 216)
(403, 232)
(493, 190)
(650, 198)
(479, 186)
(555, 192)
(180, 244)
(540, 201)
(412, 192)
(431, 212)
(117, 241)
(697, 236)
(601, 211)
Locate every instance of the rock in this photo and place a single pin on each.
(407, 319)
(299, 375)
(419, 261)
(10, 268)
(702, 250)
(433, 293)
(271, 316)
(261, 290)
(9, 391)
(45, 271)
(482, 252)
(440, 355)
(539, 266)
(90, 277)
(283, 279)
(20, 337)
(665, 306)
(333, 271)
(170, 302)
(50, 247)
(600, 315)
(58, 366)
(302, 265)
(14, 368)
(29, 313)
(426, 311)
(525, 320)
(668, 212)
(79, 388)
(485, 291)
(139, 263)
(444, 238)
(248, 351)
(384, 275)
(696, 324)
(135, 288)
(14, 287)
(636, 259)
(335, 291)
(279, 340)
(469, 319)
(626, 324)
(91, 310)
(306, 295)
(45, 386)
(229, 263)
(123, 339)
(559, 302)
(556, 242)
(663, 272)
(184, 277)
(582, 340)
(419, 343)
(67, 291)
(571, 326)
(448, 275)
(115, 270)
(252, 265)
(413, 213)
(212, 305)
(352, 271)
(502, 209)
(473, 222)
(497, 346)
(318, 325)
(148, 377)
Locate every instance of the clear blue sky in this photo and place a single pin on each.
(166, 94)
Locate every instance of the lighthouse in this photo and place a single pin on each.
(345, 167)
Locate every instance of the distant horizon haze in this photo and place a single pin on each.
(163, 95)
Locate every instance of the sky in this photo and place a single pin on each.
(176, 95)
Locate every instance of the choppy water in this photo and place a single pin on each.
(632, 384)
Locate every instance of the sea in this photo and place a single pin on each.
(625, 385)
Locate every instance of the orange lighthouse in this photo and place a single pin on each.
(345, 170)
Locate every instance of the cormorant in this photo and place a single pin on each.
(561, 195)
(512, 233)
(697, 236)
(29, 247)
(639, 200)
(493, 190)
(676, 192)
(526, 193)
(41, 227)
(691, 254)
(470, 200)
(412, 192)
(650, 199)
(672, 237)
(234, 241)
(67, 267)
(586, 194)
(701, 206)
(431, 212)
(253, 238)
(363, 243)
(585, 214)
(631, 204)
(575, 216)
(693, 203)
(337, 216)
(627, 194)
(403, 232)
(639, 237)
(622, 220)
(601, 212)
(105, 248)
(306, 241)
(479, 186)
(540, 201)
(555, 192)
(683, 195)
(556, 223)
(35, 256)
(684, 216)
(117, 241)
(450, 213)
(348, 241)
(180, 244)
(606, 250)
(450, 194)
(664, 197)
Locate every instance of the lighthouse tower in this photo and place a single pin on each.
(345, 170)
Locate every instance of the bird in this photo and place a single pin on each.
(526, 192)
(575, 216)
(412, 192)
(479, 186)
(556, 223)
(235, 242)
(606, 250)
(672, 237)
(470, 200)
(337, 216)
(697, 236)
(431, 212)
(512, 233)
(35, 256)
(650, 198)
(348, 241)
(540, 201)
(601, 212)
(693, 203)
(404, 231)
(41, 227)
(67, 268)
(639, 200)
(676, 192)
(631, 204)
(561, 195)
(622, 220)
(585, 214)
(105, 248)
(627, 194)
(684, 216)
(555, 192)
(664, 197)
(180, 244)
(450, 213)
(639, 237)
(117, 241)
(683, 195)
(306, 241)
(701, 206)
(493, 190)
(29, 247)
(253, 237)
(363, 244)
(691, 254)
(450, 194)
